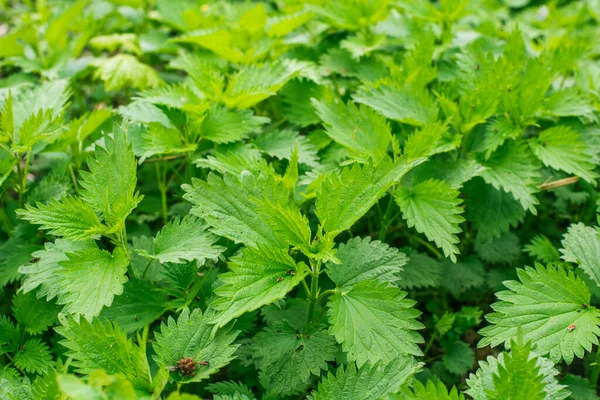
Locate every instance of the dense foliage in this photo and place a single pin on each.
(353, 199)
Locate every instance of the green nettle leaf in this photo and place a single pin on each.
(34, 314)
(227, 206)
(411, 106)
(430, 391)
(580, 388)
(257, 278)
(223, 126)
(433, 208)
(433, 138)
(68, 217)
(363, 259)
(459, 357)
(512, 168)
(193, 336)
(36, 128)
(287, 222)
(287, 359)
(365, 133)
(231, 389)
(491, 211)
(374, 321)
(542, 249)
(101, 345)
(420, 271)
(42, 273)
(184, 240)
(569, 102)
(252, 84)
(99, 386)
(581, 245)
(158, 139)
(34, 356)
(52, 96)
(503, 250)
(518, 374)
(109, 186)
(279, 144)
(124, 70)
(139, 305)
(345, 197)
(462, 276)
(551, 307)
(89, 279)
(367, 382)
(561, 148)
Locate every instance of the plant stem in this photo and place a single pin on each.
(596, 369)
(428, 245)
(162, 188)
(73, 177)
(429, 344)
(314, 291)
(23, 178)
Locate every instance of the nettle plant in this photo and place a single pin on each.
(287, 199)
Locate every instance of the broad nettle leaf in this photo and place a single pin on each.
(192, 341)
(258, 277)
(374, 321)
(551, 308)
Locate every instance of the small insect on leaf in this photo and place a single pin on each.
(571, 327)
(187, 366)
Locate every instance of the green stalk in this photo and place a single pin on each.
(596, 369)
(314, 291)
(23, 178)
(162, 188)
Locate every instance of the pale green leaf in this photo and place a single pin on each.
(184, 240)
(518, 374)
(581, 245)
(374, 321)
(257, 278)
(561, 148)
(367, 382)
(102, 345)
(227, 205)
(363, 259)
(109, 186)
(345, 197)
(68, 217)
(365, 133)
(551, 307)
(124, 70)
(430, 391)
(280, 143)
(42, 272)
(253, 84)
(410, 106)
(223, 126)
(433, 208)
(89, 279)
